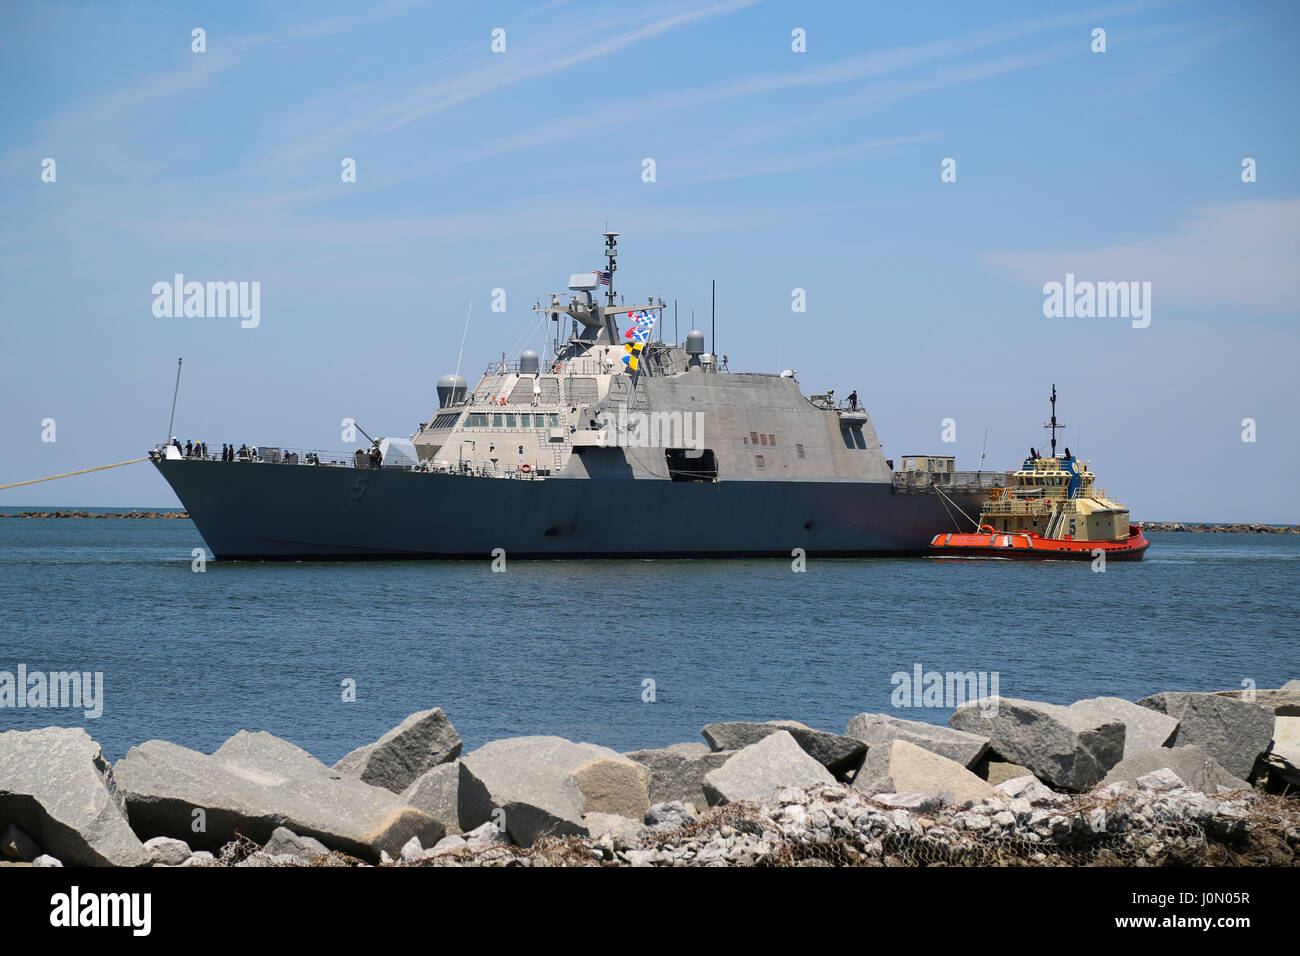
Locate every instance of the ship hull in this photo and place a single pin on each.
(269, 511)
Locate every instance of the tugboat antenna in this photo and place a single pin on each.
(1053, 423)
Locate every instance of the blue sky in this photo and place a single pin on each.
(775, 170)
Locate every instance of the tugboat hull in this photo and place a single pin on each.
(1031, 547)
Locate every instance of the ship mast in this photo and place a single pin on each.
(611, 252)
(1053, 423)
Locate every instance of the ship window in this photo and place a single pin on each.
(798, 448)
(758, 460)
(762, 439)
(687, 465)
(753, 438)
(553, 420)
(510, 421)
(496, 421)
(771, 439)
(444, 420)
(477, 420)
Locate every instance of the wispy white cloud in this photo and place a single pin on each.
(1237, 256)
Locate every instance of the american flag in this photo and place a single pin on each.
(602, 276)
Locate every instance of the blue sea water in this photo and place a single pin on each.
(566, 647)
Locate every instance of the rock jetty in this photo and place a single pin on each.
(94, 514)
(1173, 779)
(1163, 526)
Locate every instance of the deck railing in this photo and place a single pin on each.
(321, 458)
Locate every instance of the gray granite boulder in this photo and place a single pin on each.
(965, 748)
(622, 830)
(678, 774)
(167, 851)
(254, 783)
(526, 799)
(916, 802)
(1028, 788)
(412, 748)
(284, 842)
(998, 771)
(837, 753)
(1162, 779)
(692, 748)
(56, 786)
(1191, 763)
(1233, 732)
(669, 814)
(542, 786)
(437, 793)
(1144, 728)
(1065, 748)
(736, 734)
(1283, 702)
(756, 772)
(1284, 758)
(607, 781)
(913, 769)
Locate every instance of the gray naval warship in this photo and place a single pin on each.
(618, 444)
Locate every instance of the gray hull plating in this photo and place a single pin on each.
(274, 511)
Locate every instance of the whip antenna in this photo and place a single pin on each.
(175, 391)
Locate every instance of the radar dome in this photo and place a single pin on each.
(451, 390)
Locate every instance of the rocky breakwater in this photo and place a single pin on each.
(94, 514)
(1238, 528)
(1175, 778)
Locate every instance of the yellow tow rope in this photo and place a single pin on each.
(69, 474)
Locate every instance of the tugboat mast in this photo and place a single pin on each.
(1053, 424)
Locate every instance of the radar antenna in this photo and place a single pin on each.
(1053, 425)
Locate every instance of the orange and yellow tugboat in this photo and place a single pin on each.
(1049, 510)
